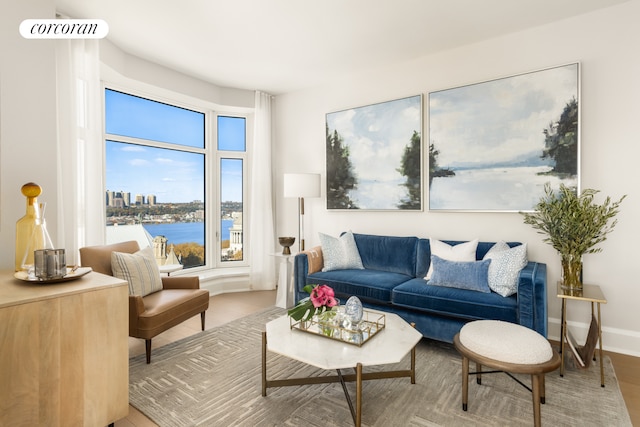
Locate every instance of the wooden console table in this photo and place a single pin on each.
(64, 351)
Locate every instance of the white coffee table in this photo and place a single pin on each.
(390, 345)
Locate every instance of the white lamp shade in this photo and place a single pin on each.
(301, 185)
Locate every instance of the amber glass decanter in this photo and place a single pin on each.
(31, 229)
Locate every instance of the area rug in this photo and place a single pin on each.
(213, 378)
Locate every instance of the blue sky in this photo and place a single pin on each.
(172, 175)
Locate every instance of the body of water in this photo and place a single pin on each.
(185, 232)
(508, 188)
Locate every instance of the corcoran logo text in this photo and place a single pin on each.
(64, 29)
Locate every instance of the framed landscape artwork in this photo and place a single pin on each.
(374, 156)
(494, 145)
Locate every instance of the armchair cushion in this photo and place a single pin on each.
(139, 270)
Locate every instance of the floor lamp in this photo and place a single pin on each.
(301, 185)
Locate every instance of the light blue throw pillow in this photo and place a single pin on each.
(471, 275)
(340, 253)
(506, 263)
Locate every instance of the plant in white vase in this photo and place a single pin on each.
(574, 225)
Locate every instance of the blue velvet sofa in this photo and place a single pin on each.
(393, 280)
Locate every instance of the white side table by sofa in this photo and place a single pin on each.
(284, 295)
(169, 268)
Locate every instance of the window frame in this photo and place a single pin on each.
(212, 158)
(244, 156)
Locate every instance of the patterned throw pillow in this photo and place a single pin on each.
(460, 252)
(139, 269)
(314, 258)
(471, 275)
(505, 267)
(340, 253)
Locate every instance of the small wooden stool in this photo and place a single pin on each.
(510, 348)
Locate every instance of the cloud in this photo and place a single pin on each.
(132, 148)
(139, 162)
(499, 120)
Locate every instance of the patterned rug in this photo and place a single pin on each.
(213, 378)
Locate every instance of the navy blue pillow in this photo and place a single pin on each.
(473, 276)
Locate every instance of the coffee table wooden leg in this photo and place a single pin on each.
(264, 363)
(413, 365)
(413, 360)
(358, 394)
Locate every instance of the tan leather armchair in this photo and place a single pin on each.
(180, 299)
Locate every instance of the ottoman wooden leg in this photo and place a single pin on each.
(478, 373)
(465, 382)
(535, 389)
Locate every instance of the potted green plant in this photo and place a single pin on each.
(574, 225)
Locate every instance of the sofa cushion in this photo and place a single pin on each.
(340, 252)
(458, 252)
(388, 253)
(505, 267)
(459, 274)
(455, 302)
(365, 284)
(314, 258)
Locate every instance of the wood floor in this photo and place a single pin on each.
(227, 307)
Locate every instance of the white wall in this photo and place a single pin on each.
(122, 68)
(606, 45)
(27, 120)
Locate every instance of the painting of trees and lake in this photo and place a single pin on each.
(494, 145)
(374, 156)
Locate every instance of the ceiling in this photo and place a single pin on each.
(280, 46)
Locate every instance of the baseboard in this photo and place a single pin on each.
(616, 340)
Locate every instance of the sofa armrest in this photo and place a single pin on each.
(532, 297)
(182, 282)
(300, 273)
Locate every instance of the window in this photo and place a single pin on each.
(231, 146)
(158, 158)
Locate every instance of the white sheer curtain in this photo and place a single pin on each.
(261, 226)
(80, 189)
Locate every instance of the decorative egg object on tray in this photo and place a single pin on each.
(353, 309)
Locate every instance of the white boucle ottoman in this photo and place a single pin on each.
(510, 348)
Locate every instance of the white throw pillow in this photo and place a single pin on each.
(340, 253)
(140, 270)
(505, 267)
(461, 252)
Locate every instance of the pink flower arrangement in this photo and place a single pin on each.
(323, 295)
(321, 298)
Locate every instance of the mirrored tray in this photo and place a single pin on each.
(355, 334)
(72, 274)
